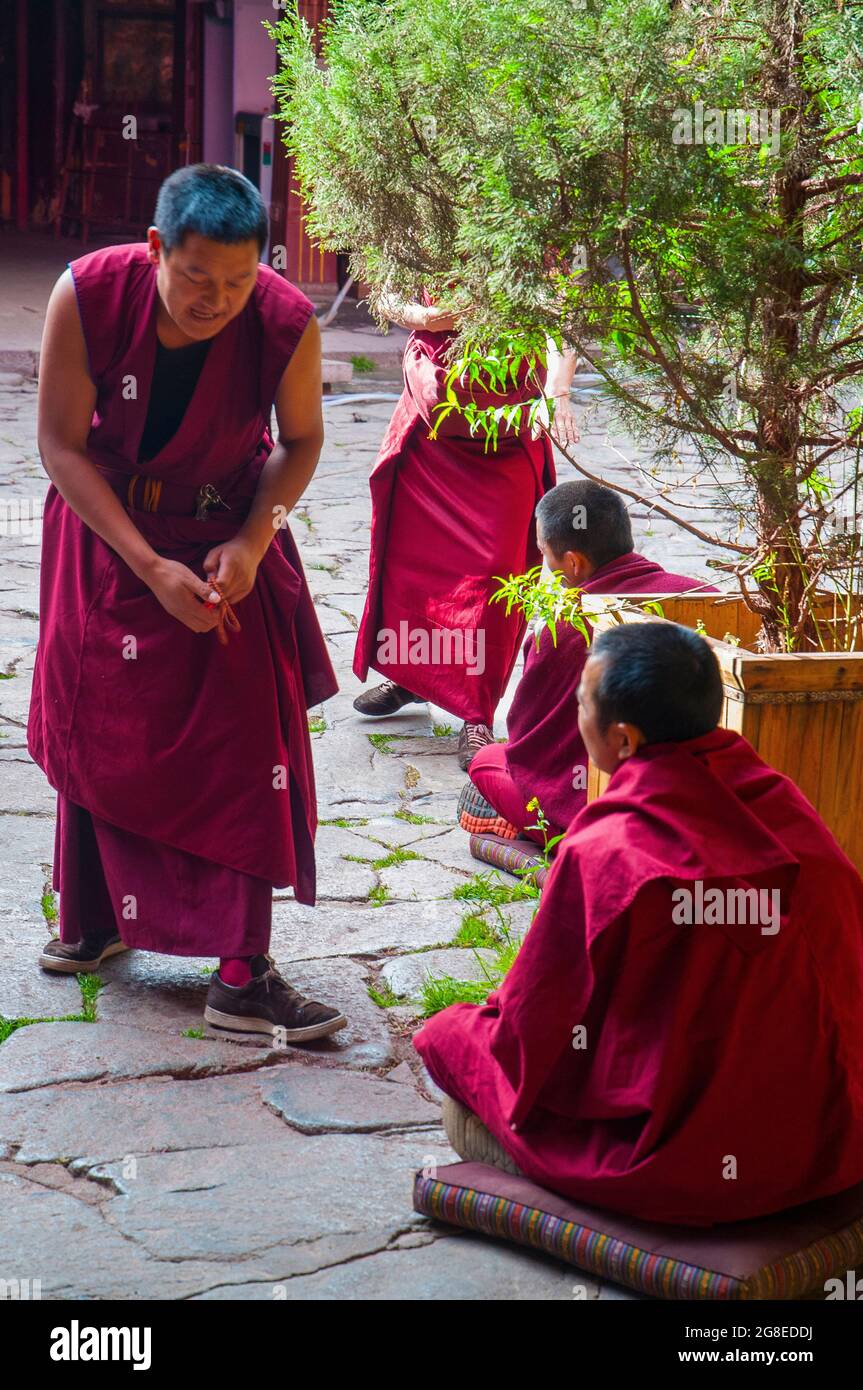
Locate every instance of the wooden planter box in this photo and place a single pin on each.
(802, 714)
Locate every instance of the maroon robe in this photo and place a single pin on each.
(447, 517)
(706, 1046)
(199, 749)
(545, 754)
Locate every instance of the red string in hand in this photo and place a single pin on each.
(227, 617)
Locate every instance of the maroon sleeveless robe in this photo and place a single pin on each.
(184, 774)
(447, 517)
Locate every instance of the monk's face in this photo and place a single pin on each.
(609, 746)
(574, 568)
(202, 284)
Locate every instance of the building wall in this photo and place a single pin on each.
(218, 134)
(255, 55)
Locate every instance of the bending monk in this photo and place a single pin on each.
(173, 727)
(447, 516)
(680, 1035)
(585, 536)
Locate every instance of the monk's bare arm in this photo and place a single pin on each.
(431, 318)
(67, 396)
(290, 467)
(561, 368)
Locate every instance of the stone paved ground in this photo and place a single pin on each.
(137, 1161)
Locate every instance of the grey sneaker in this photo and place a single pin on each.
(82, 956)
(472, 738)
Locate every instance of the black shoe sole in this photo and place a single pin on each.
(236, 1023)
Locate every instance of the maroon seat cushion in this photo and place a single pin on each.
(783, 1256)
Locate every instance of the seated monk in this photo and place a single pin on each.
(679, 1038)
(584, 533)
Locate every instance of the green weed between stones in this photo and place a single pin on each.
(362, 364)
(484, 927)
(491, 890)
(383, 997)
(395, 856)
(317, 724)
(441, 991)
(381, 742)
(89, 986)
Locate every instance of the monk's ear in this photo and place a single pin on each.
(577, 567)
(629, 739)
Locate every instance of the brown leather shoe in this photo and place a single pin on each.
(82, 956)
(385, 699)
(472, 738)
(268, 1004)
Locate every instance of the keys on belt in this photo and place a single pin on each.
(206, 499)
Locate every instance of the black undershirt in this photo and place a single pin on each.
(175, 376)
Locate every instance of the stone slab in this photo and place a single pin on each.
(406, 975)
(49, 1054)
(316, 1102)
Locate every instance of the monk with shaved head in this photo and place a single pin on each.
(679, 1037)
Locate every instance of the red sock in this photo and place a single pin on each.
(235, 970)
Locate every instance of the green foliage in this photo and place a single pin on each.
(362, 364)
(530, 166)
(544, 600)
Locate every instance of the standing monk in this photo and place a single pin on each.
(448, 515)
(173, 728)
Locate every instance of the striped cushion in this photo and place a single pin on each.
(783, 1256)
(509, 855)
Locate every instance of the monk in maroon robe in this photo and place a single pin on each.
(680, 1037)
(179, 648)
(448, 515)
(585, 536)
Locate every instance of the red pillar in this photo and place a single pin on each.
(22, 201)
(307, 264)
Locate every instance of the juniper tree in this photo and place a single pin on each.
(676, 189)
